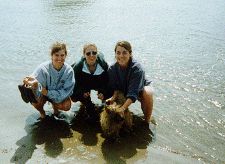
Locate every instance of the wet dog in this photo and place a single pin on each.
(112, 121)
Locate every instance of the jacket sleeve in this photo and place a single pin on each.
(135, 84)
(104, 84)
(78, 88)
(104, 89)
(40, 73)
(112, 78)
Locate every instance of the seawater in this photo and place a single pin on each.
(181, 45)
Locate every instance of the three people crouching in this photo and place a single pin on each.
(54, 81)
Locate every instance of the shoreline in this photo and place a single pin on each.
(60, 142)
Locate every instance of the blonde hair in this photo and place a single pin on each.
(88, 45)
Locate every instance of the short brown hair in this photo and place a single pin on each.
(57, 47)
(88, 45)
(124, 44)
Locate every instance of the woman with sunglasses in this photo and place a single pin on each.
(127, 75)
(90, 74)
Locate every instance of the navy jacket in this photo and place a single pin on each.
(86, 82)
(130, 80)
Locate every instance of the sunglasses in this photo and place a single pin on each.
(91, 52)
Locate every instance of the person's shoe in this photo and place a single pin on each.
(59, 116)
(23, 94)
(152, 120)
(41, 118)
(27, 94)
(31, 95)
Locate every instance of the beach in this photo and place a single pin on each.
(181, 47)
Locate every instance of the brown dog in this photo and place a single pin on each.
(111, 119)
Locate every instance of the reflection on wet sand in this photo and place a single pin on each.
(47, 132)
(79, 140)
(88, 130)
(127, 146)
(114, 151)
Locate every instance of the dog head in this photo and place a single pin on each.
(113, 112)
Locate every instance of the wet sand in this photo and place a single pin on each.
(25, 139)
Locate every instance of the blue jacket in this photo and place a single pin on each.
(130, 81)
(59, 84)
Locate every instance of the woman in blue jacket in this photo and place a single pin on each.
(127, 75)
(52, 81)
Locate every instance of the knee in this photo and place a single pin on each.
(147, 92)
(65, 105)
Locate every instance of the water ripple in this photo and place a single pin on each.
(216, 103)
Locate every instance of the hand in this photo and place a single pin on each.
(100, 96)
(86, 94)
(110, 101)
(44, 91)
(121, 111)
(30, 82)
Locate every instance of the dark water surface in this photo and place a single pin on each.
(181, 45)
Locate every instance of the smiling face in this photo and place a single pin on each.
(122, 56)
(90, 54)
(58, 59)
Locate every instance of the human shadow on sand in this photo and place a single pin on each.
(47, 132)
(116, 152)
(87, 129)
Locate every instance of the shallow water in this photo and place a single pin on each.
(180, 44)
